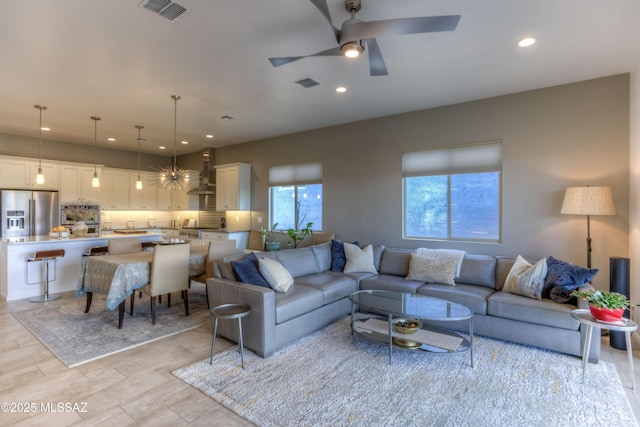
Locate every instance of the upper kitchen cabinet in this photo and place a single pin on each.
(114, 189)
(233, 187)
(180, 200)
(75, 183)
(21, 173)
(144, 199)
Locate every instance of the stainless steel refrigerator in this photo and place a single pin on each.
(28, 213)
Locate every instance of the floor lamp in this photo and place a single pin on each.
(588, 201)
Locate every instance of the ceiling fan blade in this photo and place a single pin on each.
(321, 5)
(354, 30)
(276, 62)
(377, 66)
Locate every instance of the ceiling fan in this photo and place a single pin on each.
(355, 33)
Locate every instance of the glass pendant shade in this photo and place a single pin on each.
(139, 181)
(40, 175)
(95, 182)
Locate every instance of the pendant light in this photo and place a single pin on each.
(139, 181)
(40, 175)
(95, 182)
(173, 177)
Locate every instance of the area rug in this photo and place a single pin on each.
(76, 337)
(332, 378)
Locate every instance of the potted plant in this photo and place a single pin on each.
(298, 234)
(268, 236)
(605, 306)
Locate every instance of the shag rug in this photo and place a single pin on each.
(76, 337)
(331, 378)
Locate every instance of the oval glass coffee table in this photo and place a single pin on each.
(404, 305)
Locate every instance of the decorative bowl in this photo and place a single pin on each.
(407, 326)
(401, 342)
(606, 314)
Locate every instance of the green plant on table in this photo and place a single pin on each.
(268, 235)
(603, 299)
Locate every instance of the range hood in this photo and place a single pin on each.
(207, 184)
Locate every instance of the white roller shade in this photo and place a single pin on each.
(305, 173)
(485, 157)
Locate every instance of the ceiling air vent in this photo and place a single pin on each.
(165, 8)
(307, 83)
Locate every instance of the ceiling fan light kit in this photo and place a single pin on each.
(350, 38)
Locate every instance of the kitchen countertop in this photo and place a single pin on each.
(43, 239)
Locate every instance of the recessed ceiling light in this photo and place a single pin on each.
(45, 129)
(111, 139)
(162, 147)
(209, 136)
(184, 142)
(341, 89)
(527, 41)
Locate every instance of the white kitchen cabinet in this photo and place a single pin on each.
(75, 184)
(241, 237)
(233, 187)
(114, 189)
(20, 173)
(180, 200)
(144, 199)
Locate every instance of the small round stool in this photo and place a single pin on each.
(225, 312)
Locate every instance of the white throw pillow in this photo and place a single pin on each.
(525, 279)
(454, 254)
(274, 273)
(359, 260)
(432, 270)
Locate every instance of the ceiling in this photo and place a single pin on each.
(119, 61)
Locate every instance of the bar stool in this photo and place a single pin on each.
(45, 257)
(225, 312)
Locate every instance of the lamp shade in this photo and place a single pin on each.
(588, 201)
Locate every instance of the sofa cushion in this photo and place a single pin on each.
(566, 276)
(247, 271)
(323, 255)
(338, 258)
(275, 274)
(299, 300)
(479, 270)
(395, 262)
(525, 279)
(432, 270)
(540, 312)
(474, 297)
(299, 262)
(390, 282)
(359, 260)
(454, 254)
(333, 285)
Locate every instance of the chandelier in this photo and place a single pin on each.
(172, 177)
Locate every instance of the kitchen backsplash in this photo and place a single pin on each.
(236, 220)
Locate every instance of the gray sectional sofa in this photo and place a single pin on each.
(319, 297)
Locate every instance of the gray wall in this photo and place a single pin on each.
(22, 146)
(575, 134)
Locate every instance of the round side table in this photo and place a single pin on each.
(226, 312)
(625, 325)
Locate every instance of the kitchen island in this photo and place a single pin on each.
(15, 251)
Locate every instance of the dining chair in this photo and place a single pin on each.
(127, 245)
(218, 249)
(169, 272)
(322, 237)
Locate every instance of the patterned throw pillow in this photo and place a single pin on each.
(566, 276)
(432, 270)
(359, 260)
(525, 279)
(275, 274)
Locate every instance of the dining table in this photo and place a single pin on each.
(118, 276)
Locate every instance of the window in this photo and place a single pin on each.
(453, 194)
(296, 196)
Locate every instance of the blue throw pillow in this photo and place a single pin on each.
(247, 271)
(566, 276)
(338, 258)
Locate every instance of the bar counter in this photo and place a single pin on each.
(16, 250)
